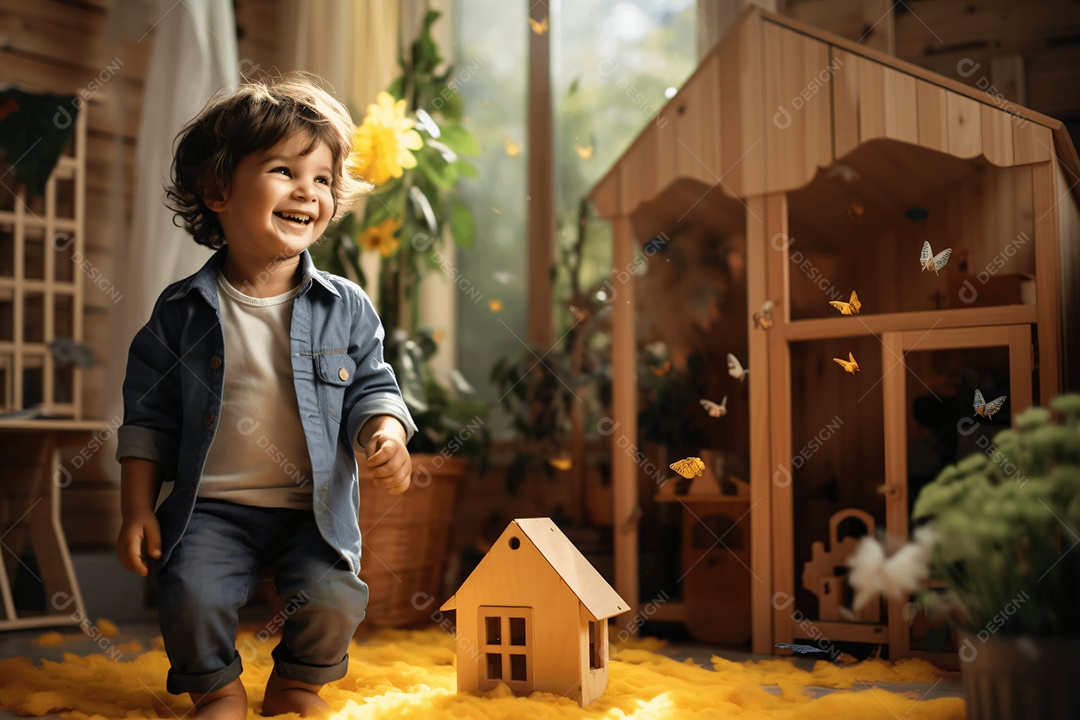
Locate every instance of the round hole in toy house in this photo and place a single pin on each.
(515, 543)
(690, 281)
(862, 224)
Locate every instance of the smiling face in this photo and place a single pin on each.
(279, 202)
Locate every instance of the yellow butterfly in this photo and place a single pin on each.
(583, 152)
(929, 261)
(539, 26)
(688, 467)
(562, 461)
(512, 148)
(848, 308)
(495, 305)
(987, 409)
(849, 365)
(715, 410)
(735, 368)
(763, 318)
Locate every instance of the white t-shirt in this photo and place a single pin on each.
(259, 455)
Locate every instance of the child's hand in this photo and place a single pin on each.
(140, 528)
(387, 457)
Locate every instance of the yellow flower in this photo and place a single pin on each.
(383, 142)
(381, 237)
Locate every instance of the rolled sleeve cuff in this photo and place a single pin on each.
(369, 407)
(140, 442)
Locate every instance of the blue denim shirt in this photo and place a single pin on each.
(176, 373)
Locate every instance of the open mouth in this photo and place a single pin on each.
(298, 219)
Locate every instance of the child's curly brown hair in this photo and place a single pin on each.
(257, 115)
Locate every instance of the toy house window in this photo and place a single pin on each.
(506, 634)
(597, 644)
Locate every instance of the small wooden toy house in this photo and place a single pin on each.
(812, 166)
(533, 616)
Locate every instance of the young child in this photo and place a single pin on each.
(252, 390)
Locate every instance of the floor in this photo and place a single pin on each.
(22, 644)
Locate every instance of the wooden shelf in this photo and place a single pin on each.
(826, 328)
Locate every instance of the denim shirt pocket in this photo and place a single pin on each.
(335, 371)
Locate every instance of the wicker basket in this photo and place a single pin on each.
(406, 541)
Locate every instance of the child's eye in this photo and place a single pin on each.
(323, 179)
(284, 170)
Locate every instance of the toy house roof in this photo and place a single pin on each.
(599, 598)
(777, 100)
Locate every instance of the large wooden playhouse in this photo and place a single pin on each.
(823, 166)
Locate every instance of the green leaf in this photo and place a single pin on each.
(397, 87)
(447, 103)
(462, 225)
(465, 168)
(435, 169)
(460, 140)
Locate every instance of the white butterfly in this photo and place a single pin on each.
(987, 409)
(929, 261)
(714, 410)
(735, 368)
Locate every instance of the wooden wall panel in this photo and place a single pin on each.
(997, 136)
(933, 119)
(871, 100)
(798, 132)
(964, 117)
(1031, 143)
(845, 97)
(901, 107)
(1069, 235)
(748, 163)
(696, 147)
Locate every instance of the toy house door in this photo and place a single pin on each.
(929, 383)
(506, 642)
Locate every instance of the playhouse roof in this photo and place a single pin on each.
(777, 99)
(599, 598)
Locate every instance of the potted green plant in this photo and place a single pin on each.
(993, 554)
(410, 146)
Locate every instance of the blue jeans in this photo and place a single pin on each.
(214, 571)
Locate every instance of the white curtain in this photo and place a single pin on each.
(194, 55)
(354, 47)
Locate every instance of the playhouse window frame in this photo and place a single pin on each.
(509, 659)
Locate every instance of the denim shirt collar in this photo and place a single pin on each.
(205, 280)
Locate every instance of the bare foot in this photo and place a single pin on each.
(292, 696)
(228, 703)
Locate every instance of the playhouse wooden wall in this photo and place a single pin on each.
(64, 47)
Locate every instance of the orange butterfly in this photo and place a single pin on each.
(849, 365)
(688, 467)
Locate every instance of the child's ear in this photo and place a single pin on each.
(216, 197)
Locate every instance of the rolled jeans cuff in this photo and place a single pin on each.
(178, 683)
(305, 673)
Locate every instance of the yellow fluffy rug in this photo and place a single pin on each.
(410, 674)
